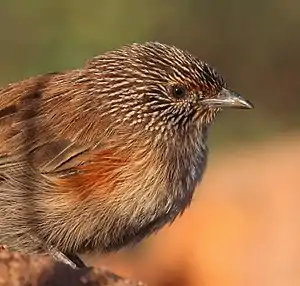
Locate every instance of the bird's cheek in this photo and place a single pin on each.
(205, 116)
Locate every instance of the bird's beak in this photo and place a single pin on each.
(228, 98)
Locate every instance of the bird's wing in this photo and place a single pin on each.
(57, 157)
(41, 122)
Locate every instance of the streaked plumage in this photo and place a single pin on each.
(98, 158)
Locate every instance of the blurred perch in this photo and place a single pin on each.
(17, 269)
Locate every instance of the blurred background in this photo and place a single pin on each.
(243, 227)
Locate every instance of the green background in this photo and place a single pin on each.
(253, 44)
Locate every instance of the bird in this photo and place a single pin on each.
(98, 158)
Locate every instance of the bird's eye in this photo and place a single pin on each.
(179, 92)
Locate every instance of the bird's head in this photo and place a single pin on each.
(165, 90)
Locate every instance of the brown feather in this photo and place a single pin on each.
(98, 158)
(100, 174)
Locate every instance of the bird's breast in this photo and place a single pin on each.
(120, 199)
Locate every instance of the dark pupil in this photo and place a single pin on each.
(179, 92)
